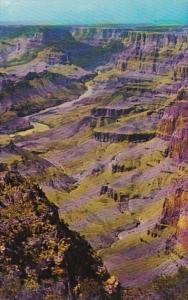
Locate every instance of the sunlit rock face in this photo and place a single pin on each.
(182, 224)
(174, 128)
(176, 200)
(174, 117)
(175, 214)
(152, 54)
(179, 145)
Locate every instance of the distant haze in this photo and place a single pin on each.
(92, 12)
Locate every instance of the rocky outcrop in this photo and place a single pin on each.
(35, 167)
(57, 58)
(98, 169)
(118, 168)
(181, 72)
(175, 214)
(14, 125)
(173, 205)
(4, 81)
(94, 35)
(36, 40)
(137, 36)
(172, 116)
(182, 94)
(102, 116)
(151, 51)
(40, 257)
(119, 137)
(179, 145)
(174, 127)
(121, 199)
(111, 113)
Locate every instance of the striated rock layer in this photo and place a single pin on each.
(175, 213)
(174, 127)
(119, 137)
(179, 144)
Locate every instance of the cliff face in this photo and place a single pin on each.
(153, 52)
(39, 256)
(95, 35)
(174, 117)
(174, 127)
(135, 36)
(118, 137)
(173, 205)
(179, 144)
(175, 214)
(182, 225)
(181, 71)
(110, 112)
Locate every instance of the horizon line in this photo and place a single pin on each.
(95, 24)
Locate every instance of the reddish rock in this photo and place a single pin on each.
(175, 213)
(174, 117)
(173, 205)
(179, 145)
(174, 127)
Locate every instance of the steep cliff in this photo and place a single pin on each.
(39, 256)
(174, 127)
(153, 52)
(174, 117)
(175, 215)
(179, 144)
(118, 137)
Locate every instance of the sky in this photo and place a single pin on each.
(79, 12)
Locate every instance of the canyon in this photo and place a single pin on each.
(98, 118)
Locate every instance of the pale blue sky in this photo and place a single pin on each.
(94, 11)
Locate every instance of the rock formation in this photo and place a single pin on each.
(39, 256)
(121, 199)
(175, 215)
(15, 124)
(57, 58)
(179, 144)
(112, 113)
(33, 166)
(120, 137)
(174, 117)
(174, 127)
